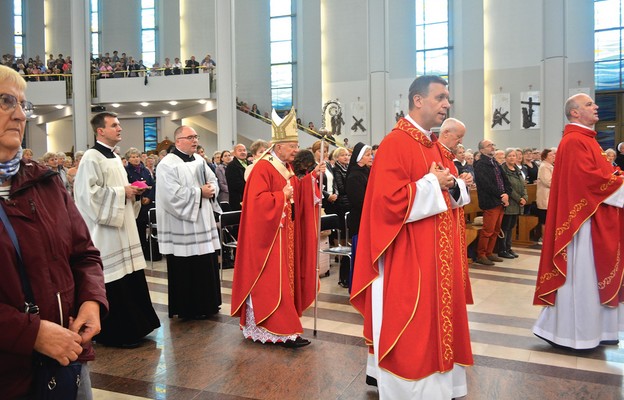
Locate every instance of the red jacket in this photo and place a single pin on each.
(59, 257)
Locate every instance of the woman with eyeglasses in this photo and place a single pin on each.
(63, 266)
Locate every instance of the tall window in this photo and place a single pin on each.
(432, 38)
(150, 133)
(148, 32)
(18, 28)
(282, 64)
(95, 28)
(608, 37)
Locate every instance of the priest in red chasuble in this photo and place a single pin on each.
(580, 273)
(275, 269)
(408, 278)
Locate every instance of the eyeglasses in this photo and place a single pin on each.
(191, 137)
(9, 102)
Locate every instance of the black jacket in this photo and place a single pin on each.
(235, 177)
(487, 190)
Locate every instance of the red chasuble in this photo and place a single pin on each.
(425, 323)
(582, 180)
(276, 257)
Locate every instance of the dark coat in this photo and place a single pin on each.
(487, 190)
(355, 185)
(340, 178)
(59, 257)
(235, 177)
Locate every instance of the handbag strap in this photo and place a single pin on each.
(30, 306)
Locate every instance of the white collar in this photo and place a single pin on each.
(420, 128)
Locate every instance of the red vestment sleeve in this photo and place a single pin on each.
(306, 241)
(262, 213)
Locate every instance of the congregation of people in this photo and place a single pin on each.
(281, 190)
(104, 66)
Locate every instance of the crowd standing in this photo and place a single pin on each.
(276, 186)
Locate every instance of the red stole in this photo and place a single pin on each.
(425, 323)
(582, 180)
(270, 263)
(461, 250)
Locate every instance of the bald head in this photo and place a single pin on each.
(581, 109)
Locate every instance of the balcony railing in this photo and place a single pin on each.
(150, 72)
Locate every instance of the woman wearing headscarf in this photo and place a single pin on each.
(63, 267)
(355, 186)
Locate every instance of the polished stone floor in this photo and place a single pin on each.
(210, 359)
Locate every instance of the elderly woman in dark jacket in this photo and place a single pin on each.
(62, 264)
(517, 200)
(355, 185)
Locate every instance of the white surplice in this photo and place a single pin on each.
(111, 218)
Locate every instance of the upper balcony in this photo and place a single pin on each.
(161, 92)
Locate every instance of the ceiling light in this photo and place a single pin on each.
(173, 103)
(116, 105)
(59, 106)
(166, 112)
(138, 112)
(144, 104)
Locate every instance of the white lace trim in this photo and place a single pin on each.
(259, 334)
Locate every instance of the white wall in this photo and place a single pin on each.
(308, 96)
(58, 27)
(197, 29)
(467, 71)
(35, 26)
(168, 30)
(252, 53)
(60, 136)
(6, 27)
(121, 27)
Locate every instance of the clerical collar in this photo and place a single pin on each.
(106, 150)
(420, 128)
(446, 147)
(185, 157)
(582, 126)
(275, 155)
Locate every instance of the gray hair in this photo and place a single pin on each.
(131, 151)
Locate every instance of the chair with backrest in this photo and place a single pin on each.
(228, 221)
(152, 233)
(225, 206)
(346, 224)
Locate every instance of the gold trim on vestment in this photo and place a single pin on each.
(573, 213)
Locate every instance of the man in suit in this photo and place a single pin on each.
(235, 176)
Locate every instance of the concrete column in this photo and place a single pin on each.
(554, 71)
(307, 91)
(34, 25)
(81, 74)
(378, 69)
(6, 27)
(226, 73)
